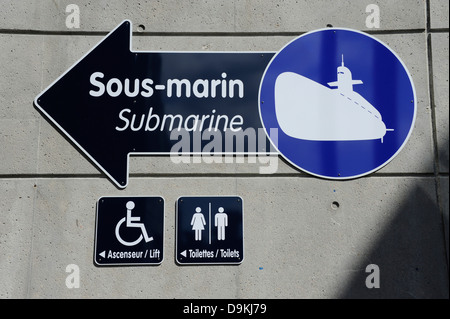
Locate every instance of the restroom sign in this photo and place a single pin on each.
(129, 231)
(343, 102)
(209, 230)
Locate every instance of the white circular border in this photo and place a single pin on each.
(354, 176)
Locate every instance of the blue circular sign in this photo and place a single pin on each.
(343, 103)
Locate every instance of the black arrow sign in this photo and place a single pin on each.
(115, 102)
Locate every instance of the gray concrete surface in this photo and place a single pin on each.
(214, 15)
(441, 97)
(297, 243)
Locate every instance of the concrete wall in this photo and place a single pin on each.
(297, 244)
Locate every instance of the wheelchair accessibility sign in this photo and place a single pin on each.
(129, 231)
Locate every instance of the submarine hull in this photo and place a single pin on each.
(308, 110)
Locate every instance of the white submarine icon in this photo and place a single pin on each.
(309, 110)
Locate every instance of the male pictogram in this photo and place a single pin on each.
(221, 221)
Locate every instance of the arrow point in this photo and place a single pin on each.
(103, 254)
(116, 168)
(183, 253)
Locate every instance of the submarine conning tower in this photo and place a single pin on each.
(345, 80)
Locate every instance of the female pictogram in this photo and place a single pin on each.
(198, 223)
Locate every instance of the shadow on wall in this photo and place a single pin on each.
(411, 253)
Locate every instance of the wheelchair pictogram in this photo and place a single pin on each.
(132, 222)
